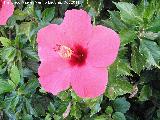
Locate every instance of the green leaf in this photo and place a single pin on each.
(128, 12)
(116, 20)
(75, 111)
(24, 28)
(5, 41)
(27, 117)
(151, 51)
(109, 110)
(150, 10)
(57, 117)
(138, 60)
(158, 113)
(38, 14)
(118, 85)
(64, 95)
(11, 22)
(27, 72)
(121, 105)
(127, 36)
(11, 83)
(11, 102)
(120, 67)
(8, 53)
(57, 21)
(75, 97)
(48, 117)
(145, 93)
(102, 117)
(3, 68)
(94, 104)
(94, 7)
(19, 15)
(151, 35)
(154, 26)
(29, 107)
(95, 109)
(15, 75)
(51, 108)
(118, 116)
(117, 88)
(29, 9)
(31, 86)
(5, 86)
(48, 14)
(30, 53)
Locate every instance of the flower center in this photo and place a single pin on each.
(76, 56)
(1, 3)
(63, 51)
(79, 56)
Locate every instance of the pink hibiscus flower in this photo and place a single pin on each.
(76, 54)
(6, 10)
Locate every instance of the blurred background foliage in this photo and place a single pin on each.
(133, 90)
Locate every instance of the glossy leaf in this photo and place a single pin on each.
(15, 75)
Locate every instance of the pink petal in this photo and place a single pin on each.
(77, 26)
(89, 82)
(103, 46)
(47, 54)
(54, 77)
(49, 36)
(47, 39)
(6, 11)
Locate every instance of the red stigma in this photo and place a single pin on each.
(79, 56)
(1, 3)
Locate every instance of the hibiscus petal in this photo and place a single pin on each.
(6, 11)
(54, 77)
(103, 46)
(77, 26)
(89, 82)
(46, 54)
(47, 38)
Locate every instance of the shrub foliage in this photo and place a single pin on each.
(133, 90)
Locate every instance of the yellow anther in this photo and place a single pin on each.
(65, 52)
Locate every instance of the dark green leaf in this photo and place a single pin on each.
(127, 36)
(128, 12)
(27, 117)
(145, 93)
(94, 104)
(117, 88)
(120, 67)
(30, 53)
(151, 35)
(138, 60)
(116, 20)
(118, 116)
(154, 26)
(158, 113)
(121, 105)
(48, 14)
(109, 110)
(151, 51)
